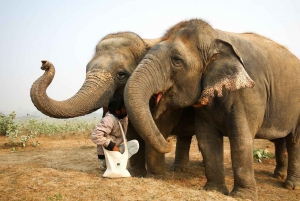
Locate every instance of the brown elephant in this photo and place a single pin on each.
(243, 86)
(116, 57)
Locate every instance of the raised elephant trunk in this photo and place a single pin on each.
(136, 97)
(85, 101)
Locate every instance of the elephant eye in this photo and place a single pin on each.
(121, 75)
(176, 61)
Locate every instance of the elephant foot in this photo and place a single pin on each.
(291, 185)
(138, 172)
(280, 174)
(222, 188)
(245, 193)
(180, 168)
(155, 176)
(158, 170)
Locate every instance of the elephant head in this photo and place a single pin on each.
(116, 57)
(190, 66)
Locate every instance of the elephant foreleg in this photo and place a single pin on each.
(241, 146)
(137, 161)
(155, 162)
(210, 142)
(181, 162)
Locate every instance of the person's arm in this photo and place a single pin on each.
(99, 134)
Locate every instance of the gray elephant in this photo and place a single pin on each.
(243, 86)
(116, 57)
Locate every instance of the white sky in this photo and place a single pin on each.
(65, 32)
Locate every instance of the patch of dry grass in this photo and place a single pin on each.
(67, 169)
(33, 182)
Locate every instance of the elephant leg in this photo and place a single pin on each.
(241, 146)
(242, 163)
(293, 172)
(155, 162)
(181, 162)
(210, 142)
(281, 158)
(137, 161)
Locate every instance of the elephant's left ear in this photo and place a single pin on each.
(225, 69)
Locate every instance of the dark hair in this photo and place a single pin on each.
(115, 104)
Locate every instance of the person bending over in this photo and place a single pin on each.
(107, 134)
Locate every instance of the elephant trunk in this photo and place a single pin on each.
(94, 94)
(143, 83)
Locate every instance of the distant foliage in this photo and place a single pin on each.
(7, 124)
(42, 127)
(20, 133)
(9, 128)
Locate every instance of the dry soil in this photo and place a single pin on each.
(67, 169)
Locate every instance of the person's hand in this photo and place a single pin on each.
(116, 148)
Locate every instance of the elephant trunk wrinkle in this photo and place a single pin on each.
(137, 99)
(88, 99)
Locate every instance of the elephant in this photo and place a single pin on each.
(242, 86)
(116, 57)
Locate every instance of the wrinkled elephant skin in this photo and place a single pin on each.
(116, 57)
(243, 86)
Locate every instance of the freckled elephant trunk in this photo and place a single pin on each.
(140, 87)
(94, 94)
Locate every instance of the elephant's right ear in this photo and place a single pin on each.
(225, 69)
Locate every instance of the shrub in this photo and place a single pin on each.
(7, 124)
(8, 127)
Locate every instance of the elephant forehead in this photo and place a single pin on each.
(175, 43)
(111, 59)
(112, 43)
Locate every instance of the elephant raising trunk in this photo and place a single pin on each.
(116, 57)
(85, 101)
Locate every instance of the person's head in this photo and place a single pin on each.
(117, 108)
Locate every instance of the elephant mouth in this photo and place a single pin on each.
(158, 97)
(154, 101)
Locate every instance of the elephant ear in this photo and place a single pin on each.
(151, 42)
(225, 69)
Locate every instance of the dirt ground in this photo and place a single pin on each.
(67, 169)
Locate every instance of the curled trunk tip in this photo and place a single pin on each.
(93, 95)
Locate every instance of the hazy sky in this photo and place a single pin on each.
(66, 33)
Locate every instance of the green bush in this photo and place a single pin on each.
(7, 124)
(9, 128)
